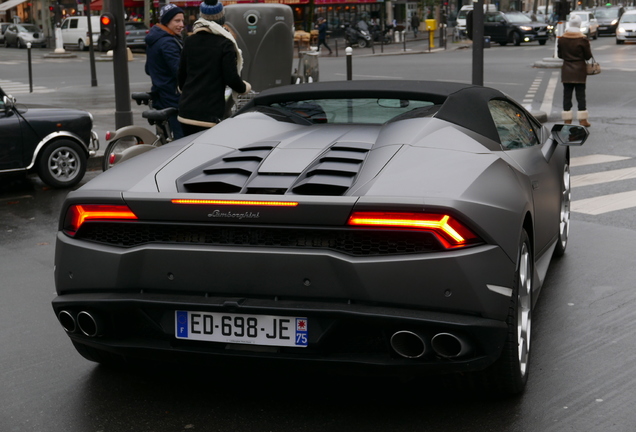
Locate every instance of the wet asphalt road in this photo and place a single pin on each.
(582, 365)
(583, 368)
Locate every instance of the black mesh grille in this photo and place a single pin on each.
(349, 241)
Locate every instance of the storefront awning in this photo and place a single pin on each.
(10, 4)
(98, 5)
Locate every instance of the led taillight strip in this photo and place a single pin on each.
(79, 213)
(452, 232)
(235, 202)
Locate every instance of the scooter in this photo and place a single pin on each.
(356, 36)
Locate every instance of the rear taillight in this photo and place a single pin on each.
(450, 232)
(109, 134)
(77, 214)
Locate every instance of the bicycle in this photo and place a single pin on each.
(130, 141)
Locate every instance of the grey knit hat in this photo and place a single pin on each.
(212, 10)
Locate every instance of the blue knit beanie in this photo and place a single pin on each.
(168, 12)
(212, 10)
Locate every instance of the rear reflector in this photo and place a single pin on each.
(448, 230)
(80, 213)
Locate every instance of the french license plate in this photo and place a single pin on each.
(541, 33)
(602, 28)
(243, 329)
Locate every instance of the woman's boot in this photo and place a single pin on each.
(567, 117)
(582, 116)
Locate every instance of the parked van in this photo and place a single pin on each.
(460, 29)
(75, 32)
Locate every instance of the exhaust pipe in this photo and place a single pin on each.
(68, 321)
(408, 344)
(449, 346)
(89, 324)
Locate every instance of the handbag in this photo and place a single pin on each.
(593, 68)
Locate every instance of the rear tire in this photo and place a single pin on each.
(81, 45)
(564, 216)
(509, 373)
(62, 164)
(619, 42)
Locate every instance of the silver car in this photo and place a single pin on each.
(20, 34)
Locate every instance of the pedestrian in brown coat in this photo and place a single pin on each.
(574, 48)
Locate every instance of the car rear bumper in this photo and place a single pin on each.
(142, 326)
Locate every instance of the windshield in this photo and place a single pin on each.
(628, 19)
(349, 111)
(607, 13)
(518, 18)
(29, 28)
(463, 14)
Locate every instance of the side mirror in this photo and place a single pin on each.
(8, 101)
(570, 135)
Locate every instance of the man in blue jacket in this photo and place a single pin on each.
(163, 54)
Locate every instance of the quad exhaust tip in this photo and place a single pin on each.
(68, 321)
(412, 345)
(449, 345)
(408, 344)
(89, 324)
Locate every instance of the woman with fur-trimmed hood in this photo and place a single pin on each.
(574, 48)
(210, 61)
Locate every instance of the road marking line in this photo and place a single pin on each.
(595, 159)
(603, 177)
(548, 97)
(605, 203)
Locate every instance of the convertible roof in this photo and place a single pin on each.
(462, 104)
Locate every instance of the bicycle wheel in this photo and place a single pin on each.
(115, 148)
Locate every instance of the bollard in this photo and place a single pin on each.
(30, 67)
(349, 53)
(336, 47)
(431, 38)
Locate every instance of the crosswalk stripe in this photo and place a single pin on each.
(605, 203)
(595, 159)
(603, 177)
(14, 88)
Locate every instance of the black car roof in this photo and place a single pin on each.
(462, 104)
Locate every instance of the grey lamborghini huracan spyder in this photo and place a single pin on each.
(405, 227)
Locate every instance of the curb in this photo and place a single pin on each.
(94, 163)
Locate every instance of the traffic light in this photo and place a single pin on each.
(107, 34)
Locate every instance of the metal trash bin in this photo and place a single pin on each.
(265, 35)
(308, 67)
